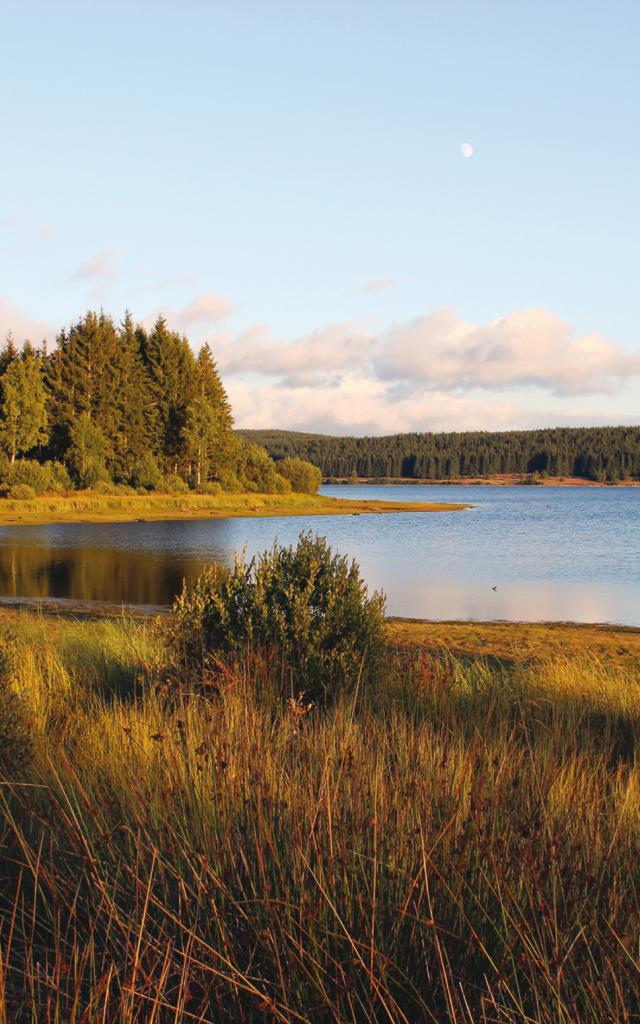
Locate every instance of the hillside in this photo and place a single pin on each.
(604, 454)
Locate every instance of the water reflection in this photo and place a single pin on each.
(88, 574)
(550, 554)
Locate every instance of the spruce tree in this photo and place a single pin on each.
(23, 411)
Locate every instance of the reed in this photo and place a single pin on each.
(459, 843)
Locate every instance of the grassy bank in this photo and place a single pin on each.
(88, 507)
(459, 845)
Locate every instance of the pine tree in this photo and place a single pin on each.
(9, 353)
(23, 412)
(172, 376)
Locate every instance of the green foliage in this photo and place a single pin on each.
(306, 603)
(23, 413)
(146, 472)
(88, 452)
(230, 483)
(211, 487)
(173, 484)
(21, 492)
(257, 471)
(589, 452)
(303, 476)
(60, 481)
(35, 474)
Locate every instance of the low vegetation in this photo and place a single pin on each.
(89, 506)
(305, 609)
(453, 840)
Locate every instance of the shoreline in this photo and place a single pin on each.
(495, 480)
(466, 637)
(92, 508)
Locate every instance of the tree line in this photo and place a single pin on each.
(606, 454)
(126, 405)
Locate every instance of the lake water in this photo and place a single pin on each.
(552, 553)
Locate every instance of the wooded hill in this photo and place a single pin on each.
(594, 453)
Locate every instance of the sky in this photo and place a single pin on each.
(286, 181)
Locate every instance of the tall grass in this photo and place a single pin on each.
(459, 845)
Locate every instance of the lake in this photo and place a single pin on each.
(522, 553)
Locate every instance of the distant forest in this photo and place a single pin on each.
(606, 454)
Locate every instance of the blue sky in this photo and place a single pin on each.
(286, 181)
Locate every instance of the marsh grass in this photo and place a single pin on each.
(88, 506)
(458, 844)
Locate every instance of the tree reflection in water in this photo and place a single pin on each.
(90, 574)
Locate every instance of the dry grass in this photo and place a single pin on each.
(460, 845)
(87, 507)
(518, 641)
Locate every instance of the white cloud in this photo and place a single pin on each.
(531, 348)
(21, 325)
(206, 308)
(358, 404)
(380, 284)
(334, 349)
(433, 373)
(97, 269)
(202, 312)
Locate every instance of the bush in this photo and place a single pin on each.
(258, 471)
(211, 487)
(15, 732)
(230, 482)
(21, 492)
(104, 487)
(32, 473)
(146, 473)
(303, 476)
(305, 603)
(173, 484)
(60, 481)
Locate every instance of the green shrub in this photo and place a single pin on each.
(34, 474)
(305, 603)
(21, 492)
(210, 487)
(303, 476)
(174, 484)
(15, 731)
(60, 481)
(230, 482)
(104, 487)
(147, 473)
(258, 472)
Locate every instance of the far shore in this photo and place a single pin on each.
(494, 480)
(87, 507)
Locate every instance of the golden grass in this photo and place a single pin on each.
(518, 641)
(87, 507)
(458, 845)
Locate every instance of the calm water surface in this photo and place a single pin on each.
(552, 553)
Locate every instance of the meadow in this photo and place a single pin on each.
(457, 842)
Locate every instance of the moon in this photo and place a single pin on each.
(467, 150)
